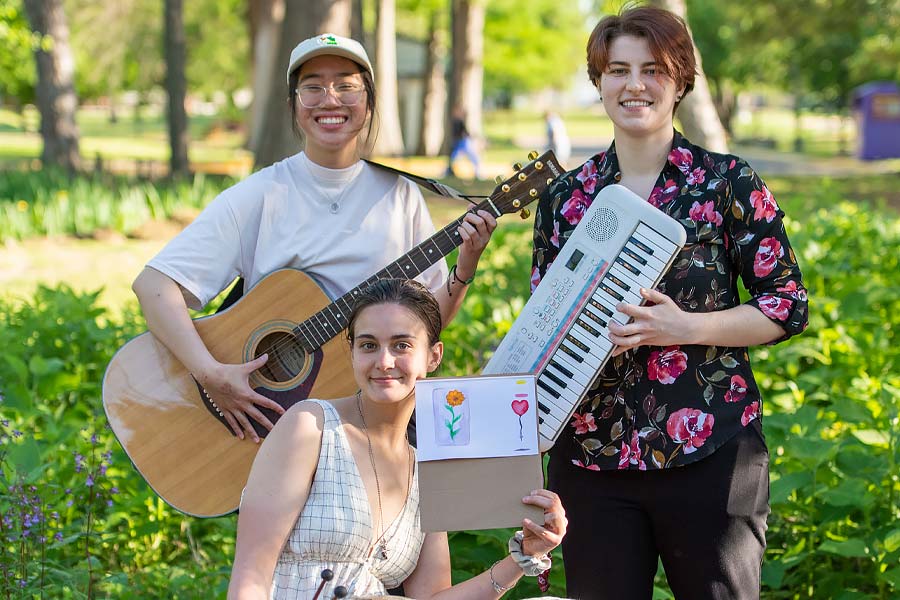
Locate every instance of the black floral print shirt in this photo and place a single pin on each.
(661, 407)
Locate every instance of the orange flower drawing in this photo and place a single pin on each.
(455, 397)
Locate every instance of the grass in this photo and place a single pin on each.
(113, 263)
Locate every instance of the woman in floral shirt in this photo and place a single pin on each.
(678, 399)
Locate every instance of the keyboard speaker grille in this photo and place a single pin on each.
(603, 225)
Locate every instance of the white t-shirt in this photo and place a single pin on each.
(339, 226)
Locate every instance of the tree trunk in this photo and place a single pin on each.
(266, 19)
(434, 95)
(697, 113)
(55, 88)
(389, 141)
(466, 68)
(302, 19)
(176, 87)
(357, 30)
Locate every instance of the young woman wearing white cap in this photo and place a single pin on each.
(322, 210)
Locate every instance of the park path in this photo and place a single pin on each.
(765, 161)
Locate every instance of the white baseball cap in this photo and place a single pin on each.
(328, 43)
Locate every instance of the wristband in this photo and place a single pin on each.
(453, 276)
(532, 566)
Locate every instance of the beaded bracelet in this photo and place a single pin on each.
(500, 589)
(532, 566)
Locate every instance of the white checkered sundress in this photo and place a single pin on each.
(334, 530)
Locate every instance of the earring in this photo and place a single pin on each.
(601, 97)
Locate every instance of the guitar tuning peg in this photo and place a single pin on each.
(516, 203)
(517, 166)
(533, 193)
(340, 592)
(505, 188)
(532, 155)
(538, 165)
(524, 213)
(498, 179)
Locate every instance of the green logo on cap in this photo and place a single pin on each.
(330, 40)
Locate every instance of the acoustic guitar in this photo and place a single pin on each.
(174, 433)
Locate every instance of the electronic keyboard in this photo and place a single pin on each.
(621, 244)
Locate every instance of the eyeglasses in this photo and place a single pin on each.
(348, 94)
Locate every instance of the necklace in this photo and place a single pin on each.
(380, 545)
(335, 201)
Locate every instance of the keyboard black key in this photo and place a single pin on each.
(562, 369)
(543, 408)
(583, 324)
(611, 292)
(628, 266)
(618, 282)
(575, 356)
(634, 255)
(547, 389)
(600, 307)
(577, 343)
(641, 245)
(554, 379)
(590, 315)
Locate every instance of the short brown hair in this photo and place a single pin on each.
(409, 294)
(666, 33)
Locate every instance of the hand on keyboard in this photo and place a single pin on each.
(660, 322)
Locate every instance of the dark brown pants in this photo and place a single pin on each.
(706, 521)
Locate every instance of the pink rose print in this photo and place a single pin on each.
(690, 427)
(767, 256)
(583, 423)
(737, 390)
(631, 454)
(535, 278)
(554, 239)
(791, 289)
(666, 365)
(578, 463)
(588, 177)
(662, 195)
(764, 203)
(775, 307)
(705, 213)
(681, 158)
(696, 177)
(750, 413)
(575, 207)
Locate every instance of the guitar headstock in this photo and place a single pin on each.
(513, 194)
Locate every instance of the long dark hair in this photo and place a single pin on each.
(409, 294)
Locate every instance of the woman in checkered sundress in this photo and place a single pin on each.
(334, 486)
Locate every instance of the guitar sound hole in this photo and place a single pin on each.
(286, 357)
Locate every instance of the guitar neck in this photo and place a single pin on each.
(331, 320)
(513, 194)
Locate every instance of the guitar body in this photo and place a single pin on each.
(171, 430)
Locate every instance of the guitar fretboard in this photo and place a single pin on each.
(318, 329)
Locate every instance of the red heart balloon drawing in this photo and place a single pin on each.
(520, 407)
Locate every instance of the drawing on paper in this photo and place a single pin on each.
(451, 417)
(520, 407)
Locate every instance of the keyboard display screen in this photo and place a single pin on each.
(573, 261)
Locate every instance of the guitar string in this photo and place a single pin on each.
(290, 339)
